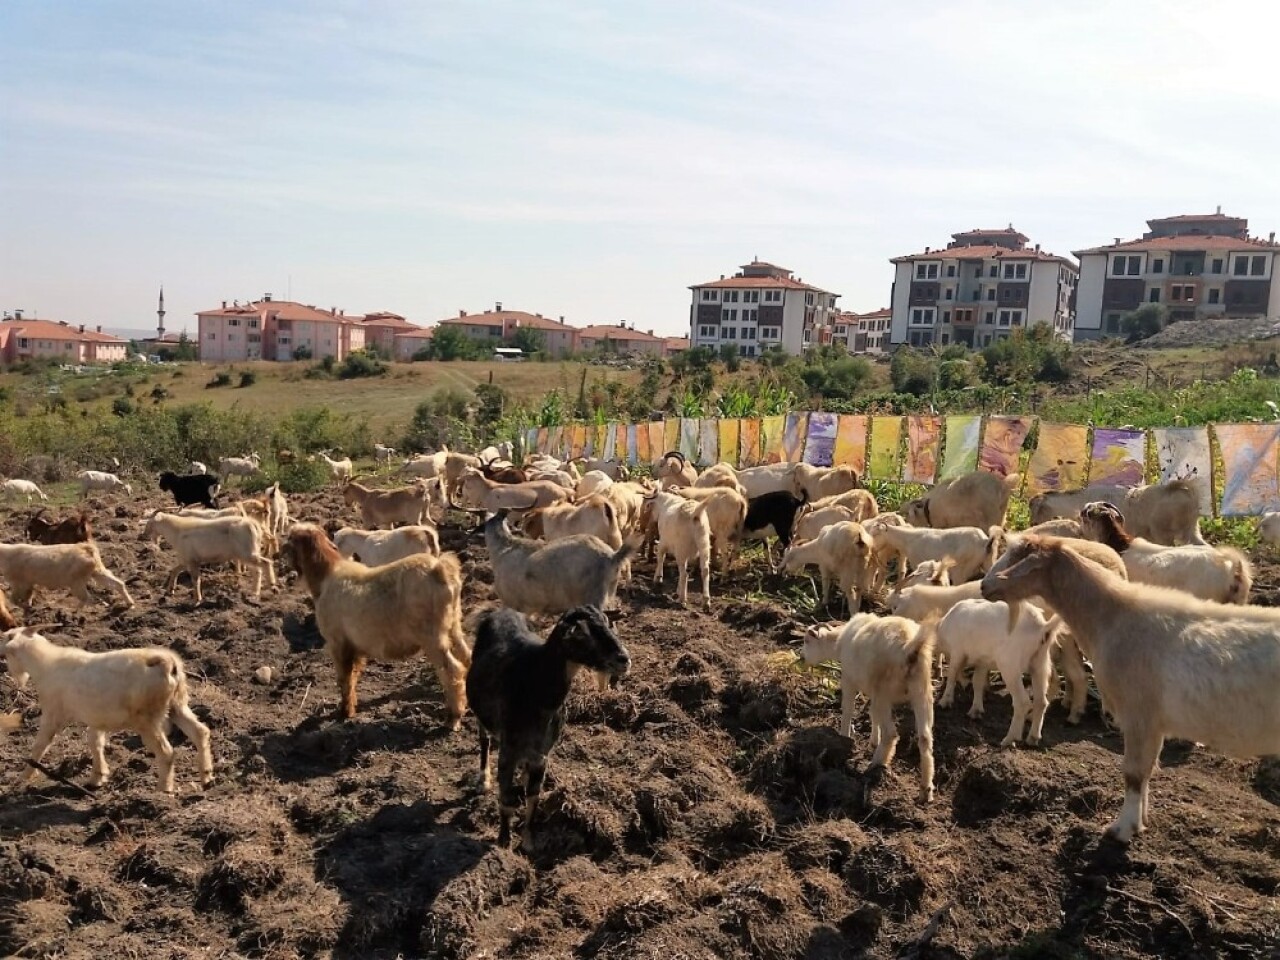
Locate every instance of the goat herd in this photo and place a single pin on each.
(1118, 580)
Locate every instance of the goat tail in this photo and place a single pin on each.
(1241, 575)
(630, 547)
(995, 540)
(920, 648)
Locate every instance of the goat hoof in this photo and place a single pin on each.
(926, 795)
(975, 714)
(1009, 742)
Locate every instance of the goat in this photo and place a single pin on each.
(69, 566)
(142, 689)
(199, 541)
(610, 468)
(861, 502)
(592, 482)
(720, 475)
(970, 549)
(1220, 574)
(195, 466)
(888, 659)
(383, 454)
(339, 470)
(483, 494)
(726, 512)
(239, 466)
(201, 488)
(378, 507)
(817, 483)
(685, 532)
(978, 499)
(73, 529)
(975, 633)
(22, 488)
(377, 548)
(772, 514)
(517, 686)
(7, 622)
(673, 470)
(810, 524)
(404, 609)
(842, 553)
(1167, 513)
(1167, 664)
(277, 510)
(97, 480)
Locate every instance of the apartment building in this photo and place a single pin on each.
(409, 342)
(559, 338)
(1197, 265)
(980, 287)
(760, 306)
(382, 328)
(619, 338)
(270, 329)
(862, 332)
(32, 338)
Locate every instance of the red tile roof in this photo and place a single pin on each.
(602, 331)
(386, 319)
(1008, 231)
(1184, 217)
(981, 252)
(730, 283)
(283, 310)
(1185, 241)
(422, 333)
(498, 318)
(677, 343)
(55, 330)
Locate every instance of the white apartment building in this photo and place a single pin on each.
(1197, 265)
(980, 287)
(862, 332)
(760, 306)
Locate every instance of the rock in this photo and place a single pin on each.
(262, 675)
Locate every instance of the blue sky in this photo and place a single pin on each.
(594, 159)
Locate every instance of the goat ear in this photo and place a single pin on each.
(1031, 562)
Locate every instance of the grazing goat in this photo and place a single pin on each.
(377, 548)
(239, 466)
(889, 660)
(195, 488)
(480, 493)
(6, 618)
(720, 475)
(141, 690)
(817, 483)
(726, 512)
(401, 610)
(97, 480)
(769, 478)
(610, 468)
(1220, 574)
(387, 507)
(970, 549)
(772, 514)
(74, 529)
(594, 517)
(503, 472)
(684, 531)
(861, 502)
(977, 499)
(70, 566)
(975, 633)
(1167, 664)
(535, 577)
(842, 553)
(810, 524)
(200, 541)
(517, 686)
(1167, 513)
(383, 454)
(22, 488)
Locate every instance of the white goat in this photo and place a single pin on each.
(970, 549)
(97, 480)
(842, 553)
(726, 512)
(198, 542)
(1166, 664)
(809, 525)
(141, 690)
(65, 566)
(339, 470)
(383, 454)
(975, 633)
(376, 548)
(195, 466)
(888, 660)
(20, 488)
(229, 467)
(684, 532)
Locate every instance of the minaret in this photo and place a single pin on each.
(160, 313)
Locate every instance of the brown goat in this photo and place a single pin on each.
(67, 530)
(504, 474)
(393, 612)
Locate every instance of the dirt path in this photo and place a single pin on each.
(705, 808)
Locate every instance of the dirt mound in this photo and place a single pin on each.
(704, 807)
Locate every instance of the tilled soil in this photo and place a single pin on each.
(703, 808)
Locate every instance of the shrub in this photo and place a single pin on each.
(1148, 320)
(122, 406)
(248, 378)
(360, 363)
(219, 380)
(911, 372)
(301, 476)
(302, 353)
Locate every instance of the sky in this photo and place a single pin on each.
(595, 159)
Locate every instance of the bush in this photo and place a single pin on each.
(248, 378)
(122, 406)
(911, 372)
(301, 476)
(1146, 321)
(361, 363)
(219, 380)
(956, 375)
(302, 353)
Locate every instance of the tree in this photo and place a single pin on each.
(450, 343)
(530, 340)
(729, 357)
(1148, 320)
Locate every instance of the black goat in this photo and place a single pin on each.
(517, 685)
(191, 489)
(772, 513)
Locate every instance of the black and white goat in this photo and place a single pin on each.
(517, 686)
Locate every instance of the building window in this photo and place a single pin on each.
(933, 271)
(752, 296)
(1257, 266)
(1241, 266)
(946, 316)
(748, 333)
(1214, 294)
(1008, 271)
(1127, 266)
(1157, 265)
(994, 272)
(990, 317)
(707, 331)
(1153, 295)
(951, 269)
(1020, 271)
(253, 324)
(708, 294)
(1113, 323)
(919, 271)
(731, 333)
(991, 294)
(948, 294)
(922, 317)
(770, 333)
(1004, 318)
(977, 273)
(1217, 266)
